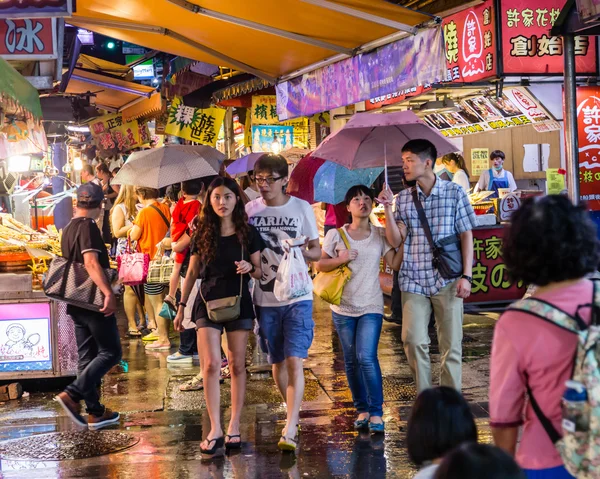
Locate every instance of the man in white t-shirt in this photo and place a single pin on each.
(286, 328)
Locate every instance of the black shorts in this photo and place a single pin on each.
(229, 326)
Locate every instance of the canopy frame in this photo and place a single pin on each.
(260, 27)
(176, 36)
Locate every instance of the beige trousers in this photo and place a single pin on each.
(448, 311)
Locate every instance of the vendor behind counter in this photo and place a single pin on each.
(496, 177)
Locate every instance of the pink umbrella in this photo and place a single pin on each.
(371, 140)
(301, 184)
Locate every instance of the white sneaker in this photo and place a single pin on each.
(179, 358)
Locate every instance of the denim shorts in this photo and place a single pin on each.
(286, 331)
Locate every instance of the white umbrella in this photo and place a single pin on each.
(169, 164)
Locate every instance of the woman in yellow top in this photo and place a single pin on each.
(149, 229)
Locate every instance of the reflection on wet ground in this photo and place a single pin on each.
(168, 425)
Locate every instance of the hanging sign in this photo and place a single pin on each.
(264, 110)
(470, 44)
(588, 132)
(382, 71)
(112, 135)
(263, 138)
(35, 8)
(195, 124)
(480, 160)
(516, 107)
(28, 39)
(527, 46)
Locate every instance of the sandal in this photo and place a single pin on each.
(288, 444)
(229, 444)
(216, 451)
(195, 384)
(134, 333)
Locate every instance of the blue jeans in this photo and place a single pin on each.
(360, 337)
(553, 473)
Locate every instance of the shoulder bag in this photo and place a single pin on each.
(67, 280)
(329, 285)
(447, 254)
(227, 309)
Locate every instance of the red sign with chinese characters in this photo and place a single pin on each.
(29, 39)
(470, 44)
(588, 132)
(528, 48)
(490, 276)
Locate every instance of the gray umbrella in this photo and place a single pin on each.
(164, 166)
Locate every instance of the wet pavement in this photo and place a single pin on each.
(161, 427)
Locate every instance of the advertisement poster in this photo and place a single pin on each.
(112, 135)
(411, 61)
(555, 181)
(264, 110)
(470, 41)
(27, 39)
(588, 131)
(264, 136)
(480, 160)
(516, 107)
(528, 48)
(35, 8)
(195, 124)
(25, 337)
(589, 10)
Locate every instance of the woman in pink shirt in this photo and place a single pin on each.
(551, 243)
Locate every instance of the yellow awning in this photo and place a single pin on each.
(269, 38)
(88, 62)
(112, 94)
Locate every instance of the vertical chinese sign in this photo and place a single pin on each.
(588, 132)
(264, 110)
(200, 126)
(527, 46)
(470, 44)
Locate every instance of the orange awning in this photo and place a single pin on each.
(111, 94)
(269, 38)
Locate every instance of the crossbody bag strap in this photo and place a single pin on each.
(553, 434)
(241, 275)
(162, 215)
(423, 219)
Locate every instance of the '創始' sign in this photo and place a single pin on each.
(27, 39)
(527, 46)
(588, 132)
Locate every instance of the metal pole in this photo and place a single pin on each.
(570, 120)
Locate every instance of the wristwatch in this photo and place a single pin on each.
(252, 270)
(181, 303)
(468, 278)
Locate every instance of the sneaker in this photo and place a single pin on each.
(72, 408)
(152, 336)
(108, 418)
(179, 358)
(196, 357)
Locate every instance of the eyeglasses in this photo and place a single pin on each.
(268, 180)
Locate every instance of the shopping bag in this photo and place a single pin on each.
(292, 280)
(133, 267)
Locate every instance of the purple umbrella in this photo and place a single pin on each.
(370, 140)
(242, 166)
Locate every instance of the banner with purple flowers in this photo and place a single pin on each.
(412, 61)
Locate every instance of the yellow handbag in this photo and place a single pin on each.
(329, 286)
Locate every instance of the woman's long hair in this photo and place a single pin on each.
(127, 197)
(460, 161)
(208, 231)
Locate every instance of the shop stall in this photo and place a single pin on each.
(37, 338)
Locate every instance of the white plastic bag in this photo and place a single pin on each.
(292, 280)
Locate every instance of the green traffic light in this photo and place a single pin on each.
(110, 45)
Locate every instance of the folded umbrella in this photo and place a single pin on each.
(301, 184)
(164, 166)
(370, 140)
(332, 181)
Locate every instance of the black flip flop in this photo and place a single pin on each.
(233, 445)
